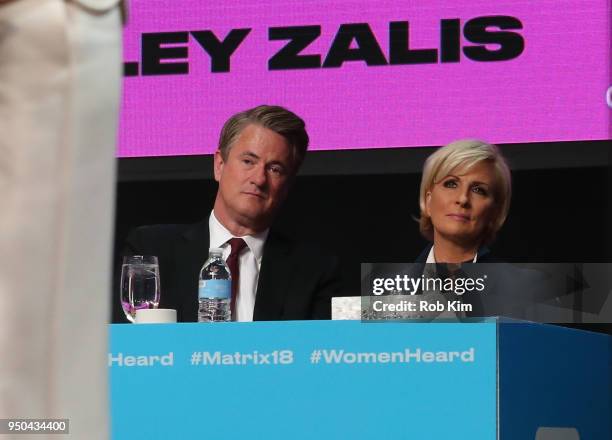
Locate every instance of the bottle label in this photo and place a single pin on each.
(221, 289)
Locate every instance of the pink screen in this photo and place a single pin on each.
(502, 71)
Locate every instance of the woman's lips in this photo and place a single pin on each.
(459, 217)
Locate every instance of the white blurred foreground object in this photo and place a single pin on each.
(155, 316)
(59, 88)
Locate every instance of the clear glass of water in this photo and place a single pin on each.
(140, 286)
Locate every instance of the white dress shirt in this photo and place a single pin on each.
(249, 264)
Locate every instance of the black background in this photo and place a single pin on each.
(361, 204)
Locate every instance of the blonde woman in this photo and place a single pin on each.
(464, 200)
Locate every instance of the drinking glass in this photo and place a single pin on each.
(139, 284)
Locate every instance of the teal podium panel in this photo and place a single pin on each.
(337, 380)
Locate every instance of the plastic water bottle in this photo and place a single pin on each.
(214, 289)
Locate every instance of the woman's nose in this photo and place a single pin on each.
(463, 198)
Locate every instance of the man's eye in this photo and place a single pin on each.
(450, 184)
(277, 170)
(248, 161)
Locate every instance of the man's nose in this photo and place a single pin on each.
(258, 176)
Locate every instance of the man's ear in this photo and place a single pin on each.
(218, 165)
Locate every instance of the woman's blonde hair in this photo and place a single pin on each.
(465, 154)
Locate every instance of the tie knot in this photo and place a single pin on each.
(237, 244)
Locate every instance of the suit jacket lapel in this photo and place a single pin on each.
(422, 258)
(274, 277)
(191, 254)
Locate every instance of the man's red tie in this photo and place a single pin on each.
(237, 244)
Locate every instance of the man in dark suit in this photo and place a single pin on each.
(260, 152)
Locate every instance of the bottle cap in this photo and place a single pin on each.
(215, 251)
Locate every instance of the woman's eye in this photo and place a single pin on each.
(450, 184)
(480, 190)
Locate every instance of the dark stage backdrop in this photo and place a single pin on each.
(557, 214)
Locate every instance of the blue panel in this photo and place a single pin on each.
(554, 377)
(304, 400)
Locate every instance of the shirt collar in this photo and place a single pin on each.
(219, 236)
(431, 259)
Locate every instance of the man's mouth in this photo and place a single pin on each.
(255, 194)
